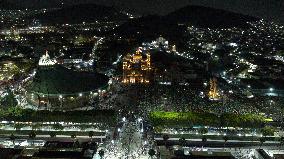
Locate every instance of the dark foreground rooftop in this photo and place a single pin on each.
(57, 80)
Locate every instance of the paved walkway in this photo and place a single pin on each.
(129, 144)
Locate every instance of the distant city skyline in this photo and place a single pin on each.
(271, 10)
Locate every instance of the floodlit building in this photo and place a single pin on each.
(160, 42)
(45, 60)
(213, 92)
(7, 70)
(137, 68)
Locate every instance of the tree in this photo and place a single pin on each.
(261, 140)
(281, 139)
(13, 138)
(73, 136)
(18, 126)
(151, 153)
(76, 144)
(203, 130)
(57, 126)
(9, 100)
(101, 153)
(158, 129)
(204, 139)
(36, 126)
(93, 146)
(91, 134)
(182, 141)
(166, 138)
(225, 138)
(52, 134)
(267, 131)
(15, 111)
(84, 126)
(32, 136)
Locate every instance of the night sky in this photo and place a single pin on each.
(267, 9)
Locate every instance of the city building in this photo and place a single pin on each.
(7, 70)
(213, 92)
(159, 43)
(55, 86)
(13, 34)
(75, 55)
(45, 60)
(137, 68)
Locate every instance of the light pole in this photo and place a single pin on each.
(140, 120)
(61, 101)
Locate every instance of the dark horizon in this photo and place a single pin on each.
(271, 10)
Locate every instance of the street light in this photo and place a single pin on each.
(271, 89)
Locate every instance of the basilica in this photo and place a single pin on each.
(137, 68)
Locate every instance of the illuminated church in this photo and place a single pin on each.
(45, 60)
(137, 68)
(213, 93)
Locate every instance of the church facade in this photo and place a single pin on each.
(137, 68)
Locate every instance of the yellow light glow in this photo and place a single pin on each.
(136, 68)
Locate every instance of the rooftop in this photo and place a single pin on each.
(57, 80)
